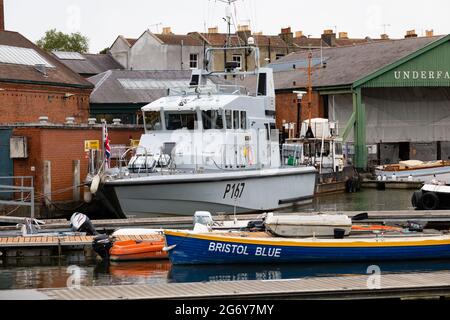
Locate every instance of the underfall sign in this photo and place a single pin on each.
(91, 145)
(422, 75)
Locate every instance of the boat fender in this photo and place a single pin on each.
(95, 184)
(416, 200)
(339, 233)
(167, 249)
(430, 201)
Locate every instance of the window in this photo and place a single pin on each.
(153, 120)
(181, 120)
(229, 118)
(235, 119)
(338, 149)
(238, 58)
(212, 119)
(243, 120)
(193, 61)
(279, 56)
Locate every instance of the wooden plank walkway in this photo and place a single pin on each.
(53, 241)
(413, 285)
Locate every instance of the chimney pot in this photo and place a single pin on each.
(167, 30)
(213, 30)
(43, 120)
(343, 35)
(70, 120)
(411, 34)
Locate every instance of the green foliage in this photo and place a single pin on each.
(59, 41)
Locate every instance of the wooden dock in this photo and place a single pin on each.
(391, 286)
(187, 221)
(398, 184)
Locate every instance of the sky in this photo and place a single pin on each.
(103, 20)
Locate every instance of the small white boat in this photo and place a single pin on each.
(321, 225)
(414, 170)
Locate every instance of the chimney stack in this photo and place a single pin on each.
(2, 16)
(167, 30)
(429, 33)
(343, 35)
(287, 35)
(213, 30)
(299, 34)
(384, 36)
(329, 37)
(411, 34)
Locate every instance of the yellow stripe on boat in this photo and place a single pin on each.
(315, 242)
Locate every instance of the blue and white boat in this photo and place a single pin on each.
(187, 247)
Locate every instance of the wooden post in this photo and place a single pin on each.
(76, 180)
(48, 182)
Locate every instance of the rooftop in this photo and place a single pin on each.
(22, 61)
(88, 64)
(344, 65)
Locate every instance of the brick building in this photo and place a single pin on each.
(45, 106)
(33, 84)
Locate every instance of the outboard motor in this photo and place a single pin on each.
(101, 245)
(203, 217)
(80, 223)
(256, 226)
(414, 226)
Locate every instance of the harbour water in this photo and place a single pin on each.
(26, 273)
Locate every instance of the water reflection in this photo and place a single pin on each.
(296, 271)
(54, 273)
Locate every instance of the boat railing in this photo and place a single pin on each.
(219, 89)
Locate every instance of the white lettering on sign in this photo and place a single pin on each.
(422, 75)
(243, 250)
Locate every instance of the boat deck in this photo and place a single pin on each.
(399, 286)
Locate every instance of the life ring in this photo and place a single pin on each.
(430, 201)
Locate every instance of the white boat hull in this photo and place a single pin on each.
(224, 192)
(424, 175)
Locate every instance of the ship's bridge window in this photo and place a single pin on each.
(243, 120)
(153, 120)
(338, 149)
(212, 119)
(326, 149)
(181, 120)
(235, 119)
(229, 118)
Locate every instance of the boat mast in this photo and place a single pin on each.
(228, 20)
(309, 133)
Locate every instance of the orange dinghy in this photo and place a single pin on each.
(132, 250)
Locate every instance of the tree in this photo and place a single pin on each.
(59, 41)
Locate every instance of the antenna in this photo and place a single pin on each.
(334, 27)
(157, 26)
(385, 27)
(228, 18)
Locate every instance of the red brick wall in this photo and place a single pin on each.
(61, 147)
(26, 103)
(287, 108)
